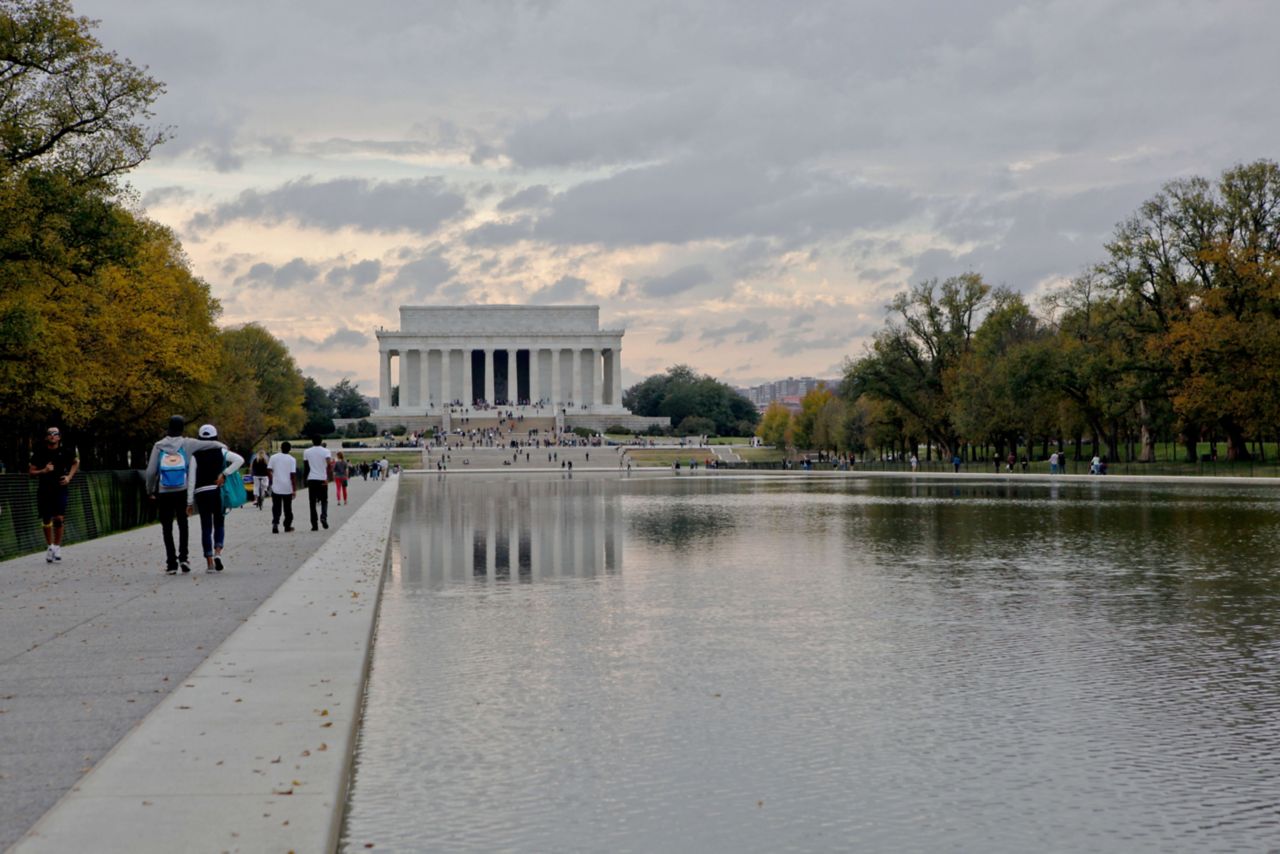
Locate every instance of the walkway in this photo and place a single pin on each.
(90, 645)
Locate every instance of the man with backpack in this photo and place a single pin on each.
(167, 479)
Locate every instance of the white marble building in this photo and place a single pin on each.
(551, 360)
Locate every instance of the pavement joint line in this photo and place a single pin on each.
(275, 781)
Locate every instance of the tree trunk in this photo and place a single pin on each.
(1237, 447)
(1148, 452)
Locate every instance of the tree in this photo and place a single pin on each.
(259, 389)
(816, 426)
(319, 409)
(910, 359)
(67, 104)
(696, 425)
(347, 400)
(682, 392)
(103, 327)
(775, 425)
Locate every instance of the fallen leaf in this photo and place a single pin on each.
(275, 761)
(282, 791)
(323, 746)
(306, 753)
(327, 724)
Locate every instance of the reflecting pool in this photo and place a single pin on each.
(725, 664)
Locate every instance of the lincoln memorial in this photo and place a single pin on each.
(550, 361)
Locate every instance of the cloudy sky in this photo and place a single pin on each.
(742, 185)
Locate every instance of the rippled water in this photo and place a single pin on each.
(713, 664)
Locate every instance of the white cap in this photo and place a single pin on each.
(208, 431)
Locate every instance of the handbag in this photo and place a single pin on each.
(232, 490)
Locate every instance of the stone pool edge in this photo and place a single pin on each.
(254, 750)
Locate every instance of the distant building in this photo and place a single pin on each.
(788, 391)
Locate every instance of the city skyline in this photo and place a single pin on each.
(742, 186)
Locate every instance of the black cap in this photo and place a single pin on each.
(176, 425)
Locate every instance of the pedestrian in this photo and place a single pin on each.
(341, 473)
(1053, 463)
(1012, 458)
(259, 470)
(385, 468)
(915, 463)
(208, 469)
(282, 474)
(55, 464)
(318, 467)
(955, 461)
(168, 469)
(1095, 465)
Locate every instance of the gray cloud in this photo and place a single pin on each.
(743, 332)
(420, 206)
(357, 276)
(674, 335)
(566, 289)
(498, 233)
(675, 282)
(423, 276)
(696, 199)
(339, 339)
(530, 197)
(164, 195)
(294, 273)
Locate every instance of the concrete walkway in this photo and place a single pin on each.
(91, 645)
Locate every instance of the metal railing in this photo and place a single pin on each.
(98, 503)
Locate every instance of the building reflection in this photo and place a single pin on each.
(454, 529)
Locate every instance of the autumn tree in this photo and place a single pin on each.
(258, 391)
(67, 104)
(775, 425)
(930, 329)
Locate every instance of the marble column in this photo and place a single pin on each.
(597, 375)
(446, 378)
(384, 380)
(556, 396)
(488, 376)
(615, 365)
(512, 387)
(468, 395)
(535, 378)
(575, 377)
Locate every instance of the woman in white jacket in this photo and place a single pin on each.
(207, 470)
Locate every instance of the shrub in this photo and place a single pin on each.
(399, 430)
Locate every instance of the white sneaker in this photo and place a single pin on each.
(57, 552)
(48, 555)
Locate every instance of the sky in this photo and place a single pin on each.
(742, 185)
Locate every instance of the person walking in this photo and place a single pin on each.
(208, 469)
(260, 480)
(55, 464)
(168, 468)
(282, 476)
(318, 465)
(341, 474)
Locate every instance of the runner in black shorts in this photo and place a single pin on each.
(55, 464)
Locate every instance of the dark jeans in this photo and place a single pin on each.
(212, 520)
(318, 493)
(282, 501)
(172, 506)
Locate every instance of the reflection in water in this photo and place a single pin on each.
(455, 529)
(802, 664)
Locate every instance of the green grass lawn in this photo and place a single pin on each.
(667, 456)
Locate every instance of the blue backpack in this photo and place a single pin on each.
(173, 469)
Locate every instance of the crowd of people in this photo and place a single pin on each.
(201, 477)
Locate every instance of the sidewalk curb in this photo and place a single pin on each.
(253, 751)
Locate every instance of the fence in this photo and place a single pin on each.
(98, 503)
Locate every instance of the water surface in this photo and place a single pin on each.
(715, 664)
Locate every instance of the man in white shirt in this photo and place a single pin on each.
(282, 475)
(319, 467)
